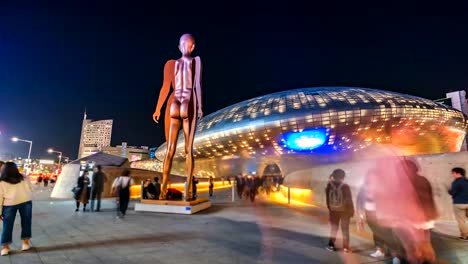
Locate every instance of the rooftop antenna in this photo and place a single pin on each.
(85, 116)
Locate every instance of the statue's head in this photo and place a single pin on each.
(186, 44)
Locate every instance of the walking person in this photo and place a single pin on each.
(340, 207)
(15, 195)
(99, 178)
(194, 188)
(459, 193)
(211, 186)
(121, 187)
(267, 185)
(46, 181)
(157, 188)
(366, 209)
(240, 185)
(82, 191)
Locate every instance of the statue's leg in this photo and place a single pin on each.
(188, 125)
(170, 151)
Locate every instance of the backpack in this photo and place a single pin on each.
(335, 197)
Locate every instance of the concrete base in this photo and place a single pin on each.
(173, 207)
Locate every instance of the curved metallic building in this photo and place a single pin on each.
(299, 128)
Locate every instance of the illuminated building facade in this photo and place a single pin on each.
(132, 153)
(94, 136)
(299, 128)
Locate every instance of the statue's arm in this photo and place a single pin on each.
(199, 91)
(166, 86)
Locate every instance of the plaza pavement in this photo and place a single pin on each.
(229, 232)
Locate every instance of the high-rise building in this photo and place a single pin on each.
(94, 136)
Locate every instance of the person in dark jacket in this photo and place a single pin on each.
(240, 184)
(211, 185)
(99, 178)
(82, 192)
(459, 193)
(340, 207)
(157, 188)
(194, 188)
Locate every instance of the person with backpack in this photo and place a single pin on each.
(121, 188)
(340, 207)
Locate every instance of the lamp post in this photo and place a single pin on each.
(15, 139)
(55, 151)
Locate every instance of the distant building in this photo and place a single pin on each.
(130, 152)
(94, 136)
(458, 101)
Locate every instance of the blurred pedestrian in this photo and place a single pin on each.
(194, 188)
(15, 196)
(405, 204)
(157, 188)
(266, 185)
(240, 185)
(99, 178)
(121, 188)
(366, 209)
(459, 193)
(39, 179)
(82, 191)
(211, 185)
(149, 191)
(46, 181)
(340, 207)
(251, 188)
(423, 250)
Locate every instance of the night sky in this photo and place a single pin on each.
(58, 57)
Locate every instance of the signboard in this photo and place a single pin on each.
(136, 157)
(47, 162)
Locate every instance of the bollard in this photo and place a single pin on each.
(142, 188)
(289, 195)
(233, 192)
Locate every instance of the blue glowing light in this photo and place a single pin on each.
(305, 140)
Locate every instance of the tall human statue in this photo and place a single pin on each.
(184, 107)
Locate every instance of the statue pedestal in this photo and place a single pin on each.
(173, 207)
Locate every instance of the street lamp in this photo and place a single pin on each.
(15, 139)
(55, 151)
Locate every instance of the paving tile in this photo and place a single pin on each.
(238, 232)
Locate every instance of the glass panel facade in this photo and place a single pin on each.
(354, 118)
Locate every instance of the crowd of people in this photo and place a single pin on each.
(87, 189)
(249, 186)
(151, 190)
(398, 206)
